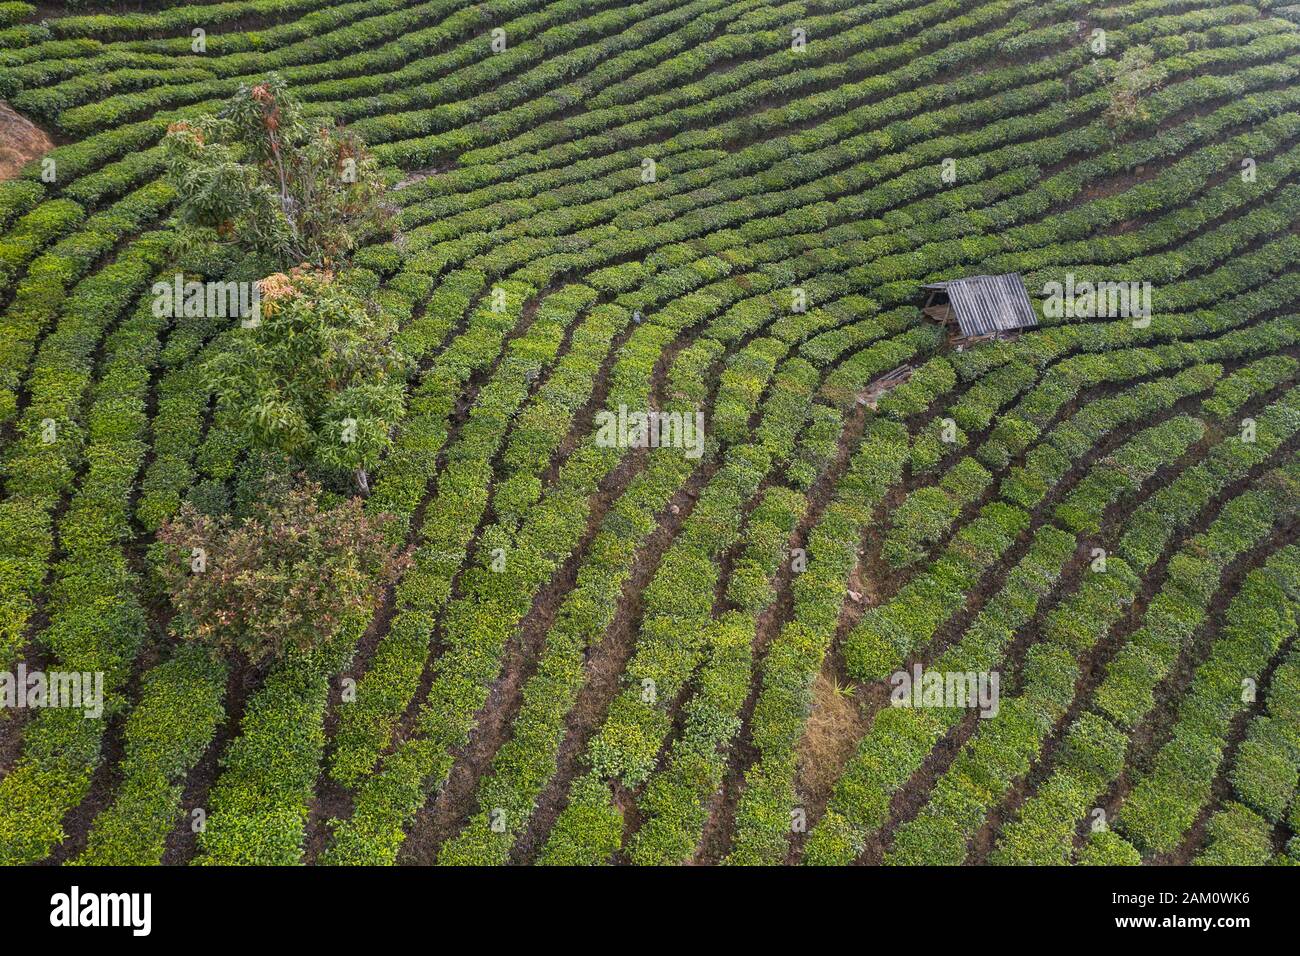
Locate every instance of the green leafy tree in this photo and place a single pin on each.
(285, 578)
(264, 176)
(1136, 76)
(314, 377)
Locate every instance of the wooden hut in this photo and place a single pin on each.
(978, 308)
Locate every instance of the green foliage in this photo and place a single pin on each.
(1260, 619)
(1107, 848)
(1265, 772)
(1235, 836)
(1135, 77)
(1125, 470)
(1248, 382)
(886, 634)
(316, 378)
(899, 739)
(928, 512)
(178, 713)
(260, 173)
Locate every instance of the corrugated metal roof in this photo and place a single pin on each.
(986, 304)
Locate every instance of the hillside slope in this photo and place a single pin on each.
(612, 653)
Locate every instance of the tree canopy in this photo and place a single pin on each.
(286, 577)
(263, 174)
(315, 378)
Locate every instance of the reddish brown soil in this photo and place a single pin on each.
(21, 141)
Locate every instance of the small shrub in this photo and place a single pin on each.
(1135, 77)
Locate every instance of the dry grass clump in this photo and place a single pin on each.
(834, 728)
